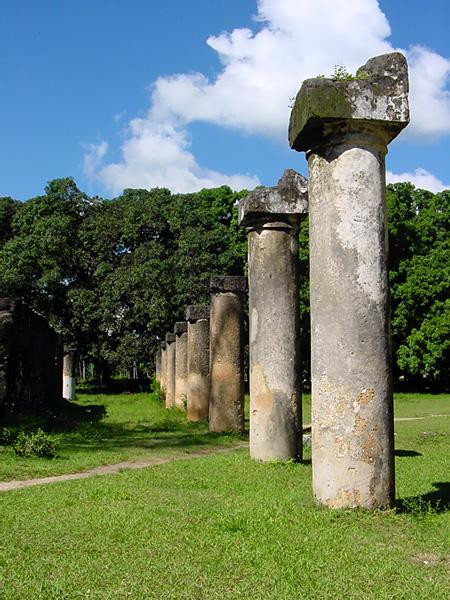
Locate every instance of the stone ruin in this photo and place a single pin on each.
(197, 318)
(272, 218)
(344, 127)
(30, 361)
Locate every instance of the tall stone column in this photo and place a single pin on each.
(180, 331)
(272, 217)
(170, 370)
(197, 317)
(69, 383)
(344, 127)
(162, 382)
(226, 401)
(158, 365)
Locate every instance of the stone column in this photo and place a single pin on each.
(272, 217)
(170, 370)
(162, 382)
(197, 317)
(69, 384)
(180, 331)
(158, 365)
(226, 401)
(344, 127)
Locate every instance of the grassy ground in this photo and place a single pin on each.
(227, 527)
(130, 426)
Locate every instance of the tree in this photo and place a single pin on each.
(419, 245)
(8, 208)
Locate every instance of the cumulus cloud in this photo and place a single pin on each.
(260, 72)
(429, 75)
(158, 156)
(420, 178)
(93, 157)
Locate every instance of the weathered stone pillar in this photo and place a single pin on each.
(226, 401)
(170, 370)
(69, 383)
(180, 330)
(162, 382)
(344, 127)
(272, 217)
(197, 317)
(158, 365)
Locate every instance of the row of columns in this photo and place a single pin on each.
(344, 128)
(201, 364)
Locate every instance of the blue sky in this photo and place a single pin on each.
(194, 94)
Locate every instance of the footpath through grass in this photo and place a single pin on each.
(111, 429)
(224, 526)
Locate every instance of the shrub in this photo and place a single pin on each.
(7, 436)
(35, 444)
(156, 390)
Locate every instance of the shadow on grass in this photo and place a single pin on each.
(83, 428)
(404, 453)
(116, 386)
(66, 417)
(179, 441)
(167, 432)
(436, 501)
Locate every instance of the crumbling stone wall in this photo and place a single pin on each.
(30, 360)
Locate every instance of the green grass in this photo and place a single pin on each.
(224, 526)
(134, 426)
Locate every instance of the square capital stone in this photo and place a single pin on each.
(195, 312)
(228, 283)
(376, 99)
(170, 337)
(287, 201)
(180, 327)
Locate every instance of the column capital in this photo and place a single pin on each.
(228, 283)
(180, 327)
(163, 345)
(373, 103)
(195, 312)
(170, 337)
(281, 205)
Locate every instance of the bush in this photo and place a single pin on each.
(7, 436)
(35, 444)
(156, 390)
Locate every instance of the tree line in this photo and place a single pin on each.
(112, 276)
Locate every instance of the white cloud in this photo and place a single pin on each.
(429, 75)
(260, 72)
(158, 156)
(420, 178)
(93, 158)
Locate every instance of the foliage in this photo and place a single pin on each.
(7, 436)
(38, 444)
(8, 208)
(340, 73)
(419, 245)
(113, 276)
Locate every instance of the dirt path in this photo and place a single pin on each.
(307, 428)
(417, 418)
(6, 486)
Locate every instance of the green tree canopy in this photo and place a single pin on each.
(114, 275)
